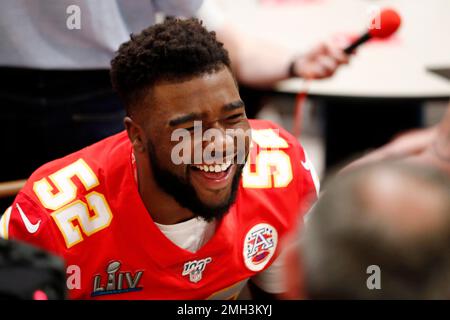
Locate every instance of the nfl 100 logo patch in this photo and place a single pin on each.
(195, 269)
(259, 246)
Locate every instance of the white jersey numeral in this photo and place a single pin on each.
(90, 216)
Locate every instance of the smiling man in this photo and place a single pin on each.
(141, 224)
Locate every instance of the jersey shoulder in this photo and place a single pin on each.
(275, 145)
(80, 180)
(278, 177)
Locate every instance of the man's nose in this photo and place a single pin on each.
(219, 145)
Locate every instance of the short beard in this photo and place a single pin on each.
(185, 194)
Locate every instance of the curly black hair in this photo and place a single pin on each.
(175, 50)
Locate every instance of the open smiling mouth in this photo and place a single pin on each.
(214, 176)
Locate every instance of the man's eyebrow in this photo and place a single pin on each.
(185, 118)
(195, 116)
(233, 105)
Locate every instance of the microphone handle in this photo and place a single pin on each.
(364, 38)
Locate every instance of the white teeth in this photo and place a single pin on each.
(214, 168)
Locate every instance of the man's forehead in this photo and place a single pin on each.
(208, 85)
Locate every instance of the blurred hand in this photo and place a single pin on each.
(321, 62)
(415, 146)
(429, 158)
(429, 146)
(406, 145)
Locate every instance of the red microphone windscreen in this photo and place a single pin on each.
(385, 24)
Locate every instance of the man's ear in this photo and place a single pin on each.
(135, 134)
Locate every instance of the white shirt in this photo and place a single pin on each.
(35, 33)
(190, 235)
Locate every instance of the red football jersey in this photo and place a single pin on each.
(86, 208)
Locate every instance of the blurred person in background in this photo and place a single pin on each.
(55, 90)
(389, 220)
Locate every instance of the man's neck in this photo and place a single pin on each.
(162, 207)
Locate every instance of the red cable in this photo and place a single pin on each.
(299, 102)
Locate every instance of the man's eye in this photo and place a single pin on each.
(190, 128)
(235, 116)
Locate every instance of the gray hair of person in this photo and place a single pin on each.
(343, 238)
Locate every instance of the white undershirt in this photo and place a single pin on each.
(190, 235)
